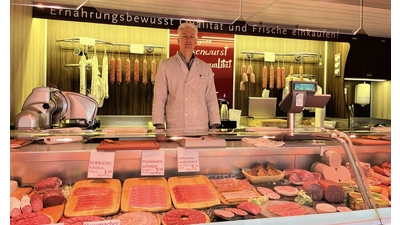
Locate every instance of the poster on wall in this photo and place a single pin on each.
(218, 51)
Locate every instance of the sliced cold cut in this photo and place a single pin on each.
(274, 196)
(249, 207)
(286, 190)
(138, 218)
(184, 216)
(237, 211)
(80, 219)
(264, 190)
(224, 213)
(325, 208)
(343, 209)
(32, 219)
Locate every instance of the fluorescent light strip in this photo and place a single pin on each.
(364, 79)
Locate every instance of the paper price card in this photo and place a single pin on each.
(101, 164)
(153, 162)
(188, 160)
(136, 48)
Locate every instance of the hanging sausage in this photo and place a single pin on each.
(283, 76)
(153, 70)
(112, 69)
(244, 73)
(145, 78)
(271, 77)
(118, 69)
(136, 71)
(278, 77)
(127, 70)
(264, 77)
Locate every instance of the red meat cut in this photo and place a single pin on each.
(223, 213)
(299, 176)
(53, 197)
(46, 184)
(249, 207)
(31, 219)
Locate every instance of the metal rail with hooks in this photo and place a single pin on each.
(298, 55)
(149, 48)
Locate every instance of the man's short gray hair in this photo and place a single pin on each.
(186, 25)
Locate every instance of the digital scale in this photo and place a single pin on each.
(302, 94)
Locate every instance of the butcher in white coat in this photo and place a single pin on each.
(184, 90)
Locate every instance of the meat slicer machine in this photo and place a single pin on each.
(48, 107)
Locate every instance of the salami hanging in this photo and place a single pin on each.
(127, 71)
(283, 76)
(144, 78)
(118, 70)
(153, 71)
(264, 77)
(278, 78)
(271, 77)
(136, 71)
(252, 78)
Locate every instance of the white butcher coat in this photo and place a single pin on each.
(187, 98)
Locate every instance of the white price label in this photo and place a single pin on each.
(153, 162)
(101, 164)
(87, 41)
(188, 160)
(136, 48)
(269, 57)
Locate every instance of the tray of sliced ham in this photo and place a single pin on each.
(195, 192)
(149, 194)
(94, 198)
(262, 179)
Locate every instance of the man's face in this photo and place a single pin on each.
(187, 39)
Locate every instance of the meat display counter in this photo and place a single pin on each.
(69, 162)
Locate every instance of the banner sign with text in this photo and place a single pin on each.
(126, 18)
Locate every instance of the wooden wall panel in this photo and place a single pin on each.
(27, 56)
(336, 106)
